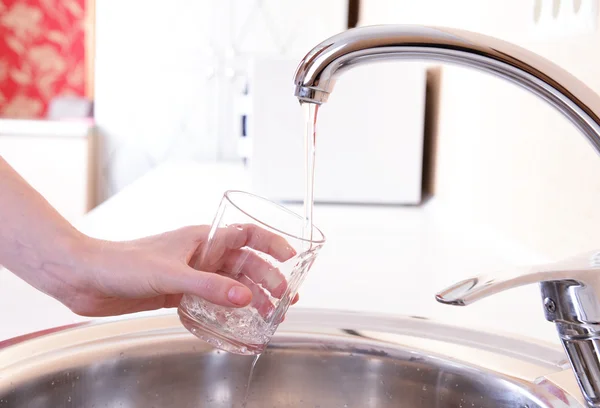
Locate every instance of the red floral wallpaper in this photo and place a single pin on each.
(42, 54)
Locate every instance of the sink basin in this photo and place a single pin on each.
(317, 359)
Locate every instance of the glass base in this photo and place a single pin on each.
(218, 340)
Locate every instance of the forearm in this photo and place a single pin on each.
(95, 277)
(35, 240)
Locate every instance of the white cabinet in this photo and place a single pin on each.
(54, 158)
(370, 134)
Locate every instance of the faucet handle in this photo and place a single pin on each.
(582, 269)
(570, 290)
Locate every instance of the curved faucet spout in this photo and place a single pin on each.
(315, 76)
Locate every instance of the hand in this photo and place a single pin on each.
(101, 278)
(112, 278)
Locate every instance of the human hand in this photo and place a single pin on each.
(112, 278)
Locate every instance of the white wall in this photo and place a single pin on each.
(505, 159)
(167, 73)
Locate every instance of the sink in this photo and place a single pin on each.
(318, 358)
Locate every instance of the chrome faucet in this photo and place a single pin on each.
(570, 289)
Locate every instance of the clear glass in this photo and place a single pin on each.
(261, 245)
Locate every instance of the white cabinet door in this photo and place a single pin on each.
(54, 161)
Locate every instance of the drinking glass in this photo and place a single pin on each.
(267, 248)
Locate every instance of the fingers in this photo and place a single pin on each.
(260, 300)
(258, 269)
(172, 301)
(264, 241)
(246, 235)
(215, 288)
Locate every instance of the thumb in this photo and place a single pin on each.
(213, 287)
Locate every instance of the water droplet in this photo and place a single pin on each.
(69, 399)
(122, 355)
(424, 388)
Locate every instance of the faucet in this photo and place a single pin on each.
(570, 289)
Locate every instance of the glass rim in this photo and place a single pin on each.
(228, 196)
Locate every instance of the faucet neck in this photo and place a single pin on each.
(316, 74)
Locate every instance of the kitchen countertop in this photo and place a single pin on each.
(46, 127)
(379, 259)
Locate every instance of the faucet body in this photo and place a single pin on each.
(570, 288)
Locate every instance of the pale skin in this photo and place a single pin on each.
(95, 277)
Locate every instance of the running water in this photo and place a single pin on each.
(254, 361)
(310, 140)
(310, 115)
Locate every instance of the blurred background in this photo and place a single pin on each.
(98, 96)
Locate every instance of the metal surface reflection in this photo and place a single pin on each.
(155, 362)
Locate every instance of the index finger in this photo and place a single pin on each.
(237, 236)
(266, 241)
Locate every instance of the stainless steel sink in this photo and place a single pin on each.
(317, 359)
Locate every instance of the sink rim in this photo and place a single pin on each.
(298, 318)
(523, 359)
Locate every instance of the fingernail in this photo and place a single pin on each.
(239, 295)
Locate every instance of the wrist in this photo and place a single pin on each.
(62, 268)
